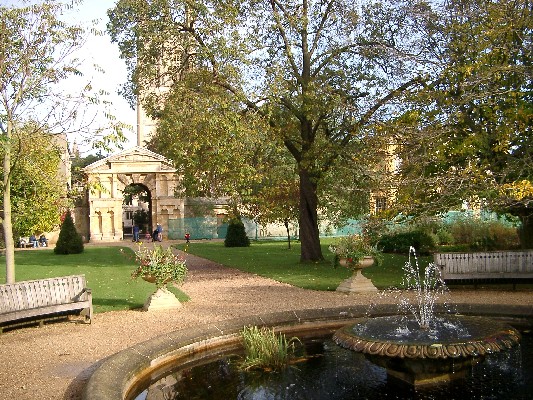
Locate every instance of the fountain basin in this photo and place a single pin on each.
(120, 376)
(438, 354)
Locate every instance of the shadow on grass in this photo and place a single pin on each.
(103, 305)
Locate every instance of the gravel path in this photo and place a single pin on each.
(54, 362)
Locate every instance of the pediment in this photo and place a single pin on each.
(135, 159)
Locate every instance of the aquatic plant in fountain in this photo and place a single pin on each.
(265, 349)
(423, 348)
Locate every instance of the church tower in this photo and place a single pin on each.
(146, 126)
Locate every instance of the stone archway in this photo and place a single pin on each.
(110, 176)
(137, 199)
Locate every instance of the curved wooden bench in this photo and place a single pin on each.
(35, 301)
(488, 265)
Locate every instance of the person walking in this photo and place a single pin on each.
(135, 233)
(159, 230)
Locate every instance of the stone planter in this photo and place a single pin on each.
(357, 283)
(162, 299)
(151, 279)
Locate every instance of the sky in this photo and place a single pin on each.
(101, 51)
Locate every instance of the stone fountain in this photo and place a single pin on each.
(420, 347)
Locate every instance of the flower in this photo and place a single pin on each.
(354, 248)
(162, 265)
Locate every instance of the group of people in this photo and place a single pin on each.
(41, 242)
(157, 234)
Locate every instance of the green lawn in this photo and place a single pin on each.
(273, 259)
(106, 269)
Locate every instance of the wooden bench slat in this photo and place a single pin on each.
(41, 297)
(486, 265)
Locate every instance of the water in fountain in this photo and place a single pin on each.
(427, 286)
(333, 373)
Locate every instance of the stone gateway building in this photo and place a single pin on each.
(108, 178)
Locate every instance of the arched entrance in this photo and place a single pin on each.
(136, 210)
(109, 179)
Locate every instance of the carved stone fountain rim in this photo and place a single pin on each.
(503, 337)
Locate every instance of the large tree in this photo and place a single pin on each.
(37, 56)
(318, 73)
(38, 190)
(471, 136)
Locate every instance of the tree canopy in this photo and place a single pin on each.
(318, 75)
(469, 134)
(38, 190)
(426, 102)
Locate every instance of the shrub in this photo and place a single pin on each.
(69, 241)
(354, 248)
(400, 242)
(484, 235)
(444, 236)
(236, 236)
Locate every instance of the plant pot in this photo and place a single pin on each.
(345, 262)
(162, 299)
(367, 261)
(151, 279)
(357, 283)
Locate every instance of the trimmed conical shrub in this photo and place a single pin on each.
(69, 241)
(236, 235)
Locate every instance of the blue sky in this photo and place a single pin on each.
(99, 50)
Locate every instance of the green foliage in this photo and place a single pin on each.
(78, 163)
(38, 190)
(484, 235)
(470, 133)
(400, 242)
(38, 51)
(313, 94)
(135, 190)
(463, 234)
(265, 349)
(159, 264)
(69, 241)
(141, 218)
(236, 234)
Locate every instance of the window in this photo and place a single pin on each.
(381, 204)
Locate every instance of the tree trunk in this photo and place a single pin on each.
(288, 232)
(6, 218)
(526, 231)
(309, 236)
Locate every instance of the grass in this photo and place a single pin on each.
(274, 260)
(107, 270)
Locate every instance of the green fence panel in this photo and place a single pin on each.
(198, 228)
